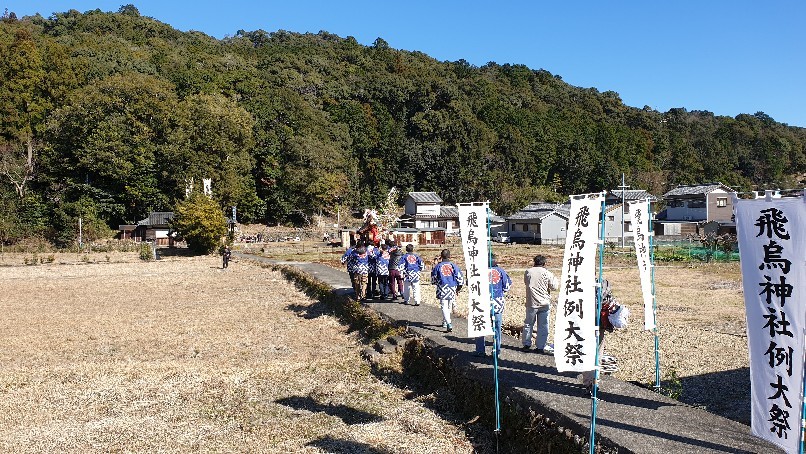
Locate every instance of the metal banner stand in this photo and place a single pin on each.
(595, 388)
(654, 298)
(496, 338)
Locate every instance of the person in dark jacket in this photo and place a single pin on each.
(226, 255)
(395, 271)
(382, 268)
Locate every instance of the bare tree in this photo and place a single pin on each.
(18, 168)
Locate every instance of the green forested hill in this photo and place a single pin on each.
(119, 112)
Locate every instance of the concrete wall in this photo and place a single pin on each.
(717, 212)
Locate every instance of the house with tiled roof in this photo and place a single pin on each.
(424, 210)
(688, 206)
(155, 228)
(538, 223)
(617, 207)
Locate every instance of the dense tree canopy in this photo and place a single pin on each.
(113, 114)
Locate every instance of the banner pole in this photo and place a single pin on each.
(801, 446)
(495, 332)
(595, 389)
(654, 298)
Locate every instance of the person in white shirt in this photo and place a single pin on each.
(540, 282)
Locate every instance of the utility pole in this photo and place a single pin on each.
(79, 233)
(623, 205)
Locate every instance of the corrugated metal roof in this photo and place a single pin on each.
(425, 197)
(633, 194)
(696, 189)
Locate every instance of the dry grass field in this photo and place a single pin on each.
(111, 354)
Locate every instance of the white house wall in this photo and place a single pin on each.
(613, 224)
(553, 228)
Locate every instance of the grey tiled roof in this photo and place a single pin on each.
(425, 197)
(632, 194)
(448, 212)
(537, 210)
(157, 218)
(696, 189)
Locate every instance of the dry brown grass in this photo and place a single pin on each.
(178, 355)
(701, 318)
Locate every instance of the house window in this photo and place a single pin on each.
(675, 203)
(721, 201)
(611, 218)
(628, 226)
(696, 203)
(525, 227)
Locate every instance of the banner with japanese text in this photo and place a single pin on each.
(641, 232)
(475, 245)
(772, 247)
(575, 324)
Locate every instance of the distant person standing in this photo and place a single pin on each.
(412, 265)
(540, 282)
(448, 279)
(395, 271)
(500, 283)
(226, 255)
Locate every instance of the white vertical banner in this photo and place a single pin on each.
(772, 247)
(475, 245)
(575, 324)
(640, 222)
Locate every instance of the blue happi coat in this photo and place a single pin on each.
(361, 257)
(372, 255)
(382, 262)
(348, 259)
(412, 265)
(446, 276)
(500, 283)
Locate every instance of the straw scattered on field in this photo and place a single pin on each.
(179, 355)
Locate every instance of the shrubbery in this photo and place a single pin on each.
(200, 221)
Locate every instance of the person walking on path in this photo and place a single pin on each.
(540, 282)
(395, 271)
(372, 285)
(361, 271)
(448, 280)
(348, 259)
(412, 265)
(382, 268)
(500, 283)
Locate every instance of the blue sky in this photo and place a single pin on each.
(727, 57)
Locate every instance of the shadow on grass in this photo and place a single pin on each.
(309, 311)
(732, 399)
(347, 414)
(335, 445)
